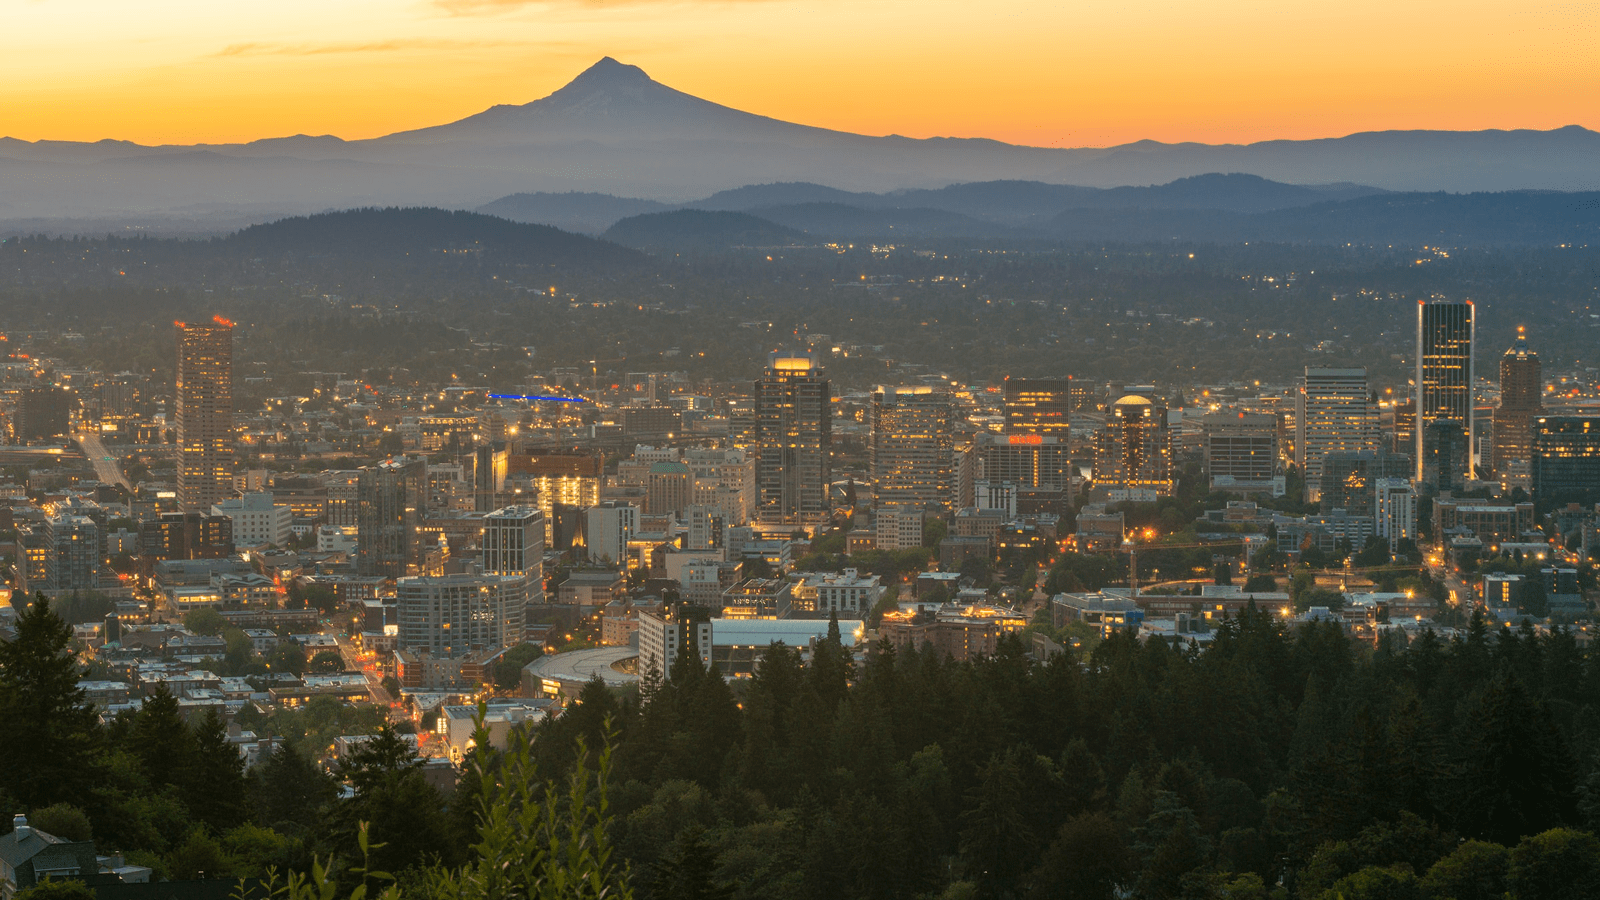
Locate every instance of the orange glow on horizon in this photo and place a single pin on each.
(1088, 74)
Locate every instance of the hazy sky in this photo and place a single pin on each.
(1043, 72)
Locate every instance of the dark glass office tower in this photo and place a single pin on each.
(1444, 370)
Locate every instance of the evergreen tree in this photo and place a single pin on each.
(160, 740)
(214, 784)
(50, 740)
(291, 791)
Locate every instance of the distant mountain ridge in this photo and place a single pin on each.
(998, 202)
(616, 131)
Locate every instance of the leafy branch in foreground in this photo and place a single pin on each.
(537, 840)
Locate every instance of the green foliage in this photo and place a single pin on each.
(1260, 583)
(288, 656)
(1475, 871)
(64, 821)
(508, 668)
(934, 530)
(1559, 864)
(325, 662)
(50, 745)
(57, 889)
(204, 621)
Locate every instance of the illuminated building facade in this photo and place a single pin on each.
(1334, 414)
(1565, 465)
(205, 414)
(912, 458)
(1521, 402)
(570, 480)
(1445, 333)
(793, 443)
(1133, 451)
(1040, 406)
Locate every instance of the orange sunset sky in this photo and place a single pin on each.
(1064, 73)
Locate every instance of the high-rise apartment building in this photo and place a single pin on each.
(1394, 510)
(1040, 406)
(793, 443)
(1133, 452)
(1334, 414)
(452, 615)
(912, 454)
(72, 559)
(1445, 333)
(205, 414)
(1565, 465)
(513, 544)
(390, 499)
(1521, 401)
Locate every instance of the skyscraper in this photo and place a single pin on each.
(1334, 414)
(913, 448)
(1038, 406)
(1565, 464)
(513, 542)
(1521, 401)
(793, 443)
(205, 414)
(1133, 451)
(390, 499)
(1445, 334)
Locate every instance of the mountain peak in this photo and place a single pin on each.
(609, 73)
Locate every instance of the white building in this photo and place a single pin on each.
(661, 640)
(607, 530)
(336, 539)
(842, 593)
(256, 520)
(513, 544)
(1394, 511)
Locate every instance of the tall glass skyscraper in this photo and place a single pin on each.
(1445, 333)
(205, 413)
(912, 456)
(793, 441)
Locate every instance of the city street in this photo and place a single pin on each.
(106, 467)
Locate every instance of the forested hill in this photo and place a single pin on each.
(396, 233)
(1435, 770)
(393, 248)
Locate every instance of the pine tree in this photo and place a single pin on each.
(214, 784)
(160, 740)
(50, 740)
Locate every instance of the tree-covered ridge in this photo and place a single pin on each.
(1275, 763)
(1168, 772)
